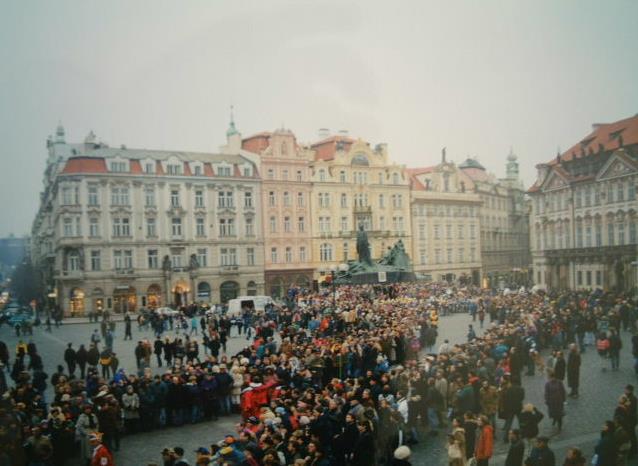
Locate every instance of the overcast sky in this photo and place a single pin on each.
(474, 76)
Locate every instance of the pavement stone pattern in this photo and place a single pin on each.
(599, 392)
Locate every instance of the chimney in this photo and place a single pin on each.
(323, 133)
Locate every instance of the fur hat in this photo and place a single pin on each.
(402, 453)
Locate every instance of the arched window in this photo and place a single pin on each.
(325, 252)
(203, 291)
(251, 288)
(395, 178)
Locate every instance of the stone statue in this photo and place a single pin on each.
(363, 246)
(166, 264)
(194, 264)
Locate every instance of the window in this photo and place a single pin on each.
(596, 198)
(149, 168)
(123, 259)
(449, 256)
(250, 227)
(448, 229)
(344, 200)
(421, 230)
(199, 198)
(621, 234)
(250, 256)
(223, 170)
(272, 199)
(345, 251)
(94, 227)
(300, 200)
(74, 261)
(273, 255)
(248, 171)
(620, 193)
(461, 255)
(342, 176)
(284, 174)
(437, 231)
(577, 195)
(344, 224)
(200, 227)
(94, 195)
(273, 225)
(632, 232)
(587, 236)
(248, 199)
(588, 274)
(380, 178)
(301, 224)
(395, 178)
(176, 227)
(302, 254)
(119, 195)
(174, 169)
(325, 252)
(610, 193)
(322, 175)
(226, 227)
(202, 257)
(437, 256)
(324, 224)
(121, 227)
(472, 231)
(286, 199)
(118, 167)
(197, 170)
(271, 174)
(599, 234)
(610, 234)
(176, 260)
(152, 259)
(382, 223)
(151, 227)
(422, 256)
(472, 254)
(96, 260)
(579, 235)
(324, 199)
(228, 256)
(174, 198)
(299, 175)
(225, 199)
(599, 278)
(460, 231)
(587, 196)
(287, 224)
(579, 278)
(149, 197)
(397, 200)
(288, 255)
(397, 223)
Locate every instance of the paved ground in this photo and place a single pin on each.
(599, 393)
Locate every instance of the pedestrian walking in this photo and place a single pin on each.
(555, 400)
(516, 450)
(70, 358)
(615, 345)
(484, 448)
(573, 370)
(81, 357)
(541, 454)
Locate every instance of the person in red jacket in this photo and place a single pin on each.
(485, 443)
(101, 455)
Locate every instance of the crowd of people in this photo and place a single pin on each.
(355, 380)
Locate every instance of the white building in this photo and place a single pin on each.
(584, 224)
(118, 229)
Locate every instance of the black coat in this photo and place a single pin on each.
(573, 370)
(515, 454)
(560, 369)
(364, 450)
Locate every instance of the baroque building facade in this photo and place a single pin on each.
(504, 221)
(584, 222)
(445, 224)
(118, 229)
(286, 197)
(353, 186)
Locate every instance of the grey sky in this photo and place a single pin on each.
(475, 76)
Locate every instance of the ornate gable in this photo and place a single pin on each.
(616, 166)
(554, 181)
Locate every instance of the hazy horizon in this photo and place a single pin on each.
(477, 78)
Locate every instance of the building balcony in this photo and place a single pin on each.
(127, 271)
(362, 209)
(228, 269)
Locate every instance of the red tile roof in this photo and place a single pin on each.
(85, 165)
(608, 135)
(136, 167)
(476, 174)
(208, 169)
(414, 172)
(256, 143)
(326, 148)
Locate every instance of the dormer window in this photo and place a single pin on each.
(197, 171)
(149, 168)
(248, 171)
(196, 168)
(118, 166)
(173, 169)
(223, 170)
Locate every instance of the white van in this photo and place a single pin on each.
(254, 303)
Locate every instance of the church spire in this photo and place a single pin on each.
(231, 128)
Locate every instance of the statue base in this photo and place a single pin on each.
(373, 278)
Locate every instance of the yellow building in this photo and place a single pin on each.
(445, 224)
(354, 184)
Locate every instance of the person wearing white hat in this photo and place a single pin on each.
(402, 456)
